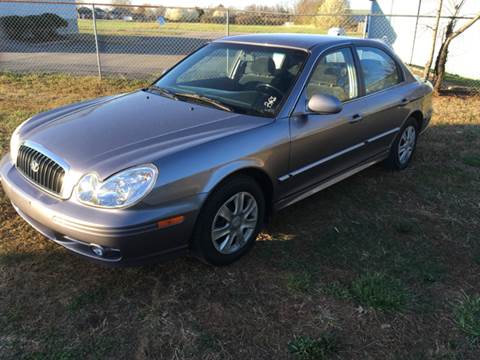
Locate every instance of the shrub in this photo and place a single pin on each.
(217, 15)
(183, 15)
(32, 27)
(209, 19)
(260, 19)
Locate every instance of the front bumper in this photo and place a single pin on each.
(126, 236)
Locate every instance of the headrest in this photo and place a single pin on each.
(263, 65)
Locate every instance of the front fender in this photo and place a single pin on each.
(221, 173)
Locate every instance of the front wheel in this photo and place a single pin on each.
(403, 147)
(229, 222)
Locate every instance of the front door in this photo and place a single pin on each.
(324, 145)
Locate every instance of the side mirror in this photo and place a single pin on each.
(324, 104)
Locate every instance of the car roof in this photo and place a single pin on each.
(300, 41)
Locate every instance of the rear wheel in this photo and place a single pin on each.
(404, 146)
(229, 222)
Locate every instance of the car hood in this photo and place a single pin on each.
(110, 134)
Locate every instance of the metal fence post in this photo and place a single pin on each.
(415, 32)
(99, 64)
(365, 27)
(227, 22)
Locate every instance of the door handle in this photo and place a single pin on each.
(404, 102)
(355, 118)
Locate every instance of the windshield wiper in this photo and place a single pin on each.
(218, 104)
(163, 92)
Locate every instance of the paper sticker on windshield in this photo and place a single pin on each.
(270, 102)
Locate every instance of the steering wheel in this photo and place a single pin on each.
(270, 87)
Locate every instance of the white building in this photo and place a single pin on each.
(66, 11)
(412, 41)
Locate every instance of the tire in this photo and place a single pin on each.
(219, 241)
(403, 148)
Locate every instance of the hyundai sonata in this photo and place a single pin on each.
(196, 162)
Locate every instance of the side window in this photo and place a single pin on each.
(334, 75)
(379, 70)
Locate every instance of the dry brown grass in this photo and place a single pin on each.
(418, 228)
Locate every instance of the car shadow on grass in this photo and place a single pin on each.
(378, 257)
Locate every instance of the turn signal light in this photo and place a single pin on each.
(170, 221)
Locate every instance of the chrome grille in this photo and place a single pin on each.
(40, 169)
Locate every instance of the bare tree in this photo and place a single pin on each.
(428, 65)
(450, 34)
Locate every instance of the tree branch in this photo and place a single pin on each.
(466, 26)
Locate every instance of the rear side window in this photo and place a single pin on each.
(379, 70)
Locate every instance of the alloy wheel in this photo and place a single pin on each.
(235, 223)
(406, 145)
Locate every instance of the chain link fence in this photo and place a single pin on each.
(143, 41)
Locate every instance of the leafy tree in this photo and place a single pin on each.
(337, 11)
(305, 9)
(308, 7)
(140, 10)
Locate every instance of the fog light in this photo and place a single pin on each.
(97, 250)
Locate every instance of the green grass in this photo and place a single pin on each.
(208, 343)
(462, 81)
(132, 28)
(401, 242)
(467, 315)
(307, 348)
(375, 290)
(337, 290)
(302, 282)
(451, 79)
(87, 298)
(14, 258)
(380, 291)
(472, 160)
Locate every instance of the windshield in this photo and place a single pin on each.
(247, 79)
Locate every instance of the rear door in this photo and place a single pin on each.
(385, 94)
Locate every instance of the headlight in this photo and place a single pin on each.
(121, 190)
(15, 143)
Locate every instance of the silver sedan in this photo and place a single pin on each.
(199, 160)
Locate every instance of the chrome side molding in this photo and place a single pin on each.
(337, 154)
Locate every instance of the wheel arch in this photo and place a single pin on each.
(252, 170)
(418, 116)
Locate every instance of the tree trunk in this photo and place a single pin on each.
(439, 71)
(450, 34)
(428, 65)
